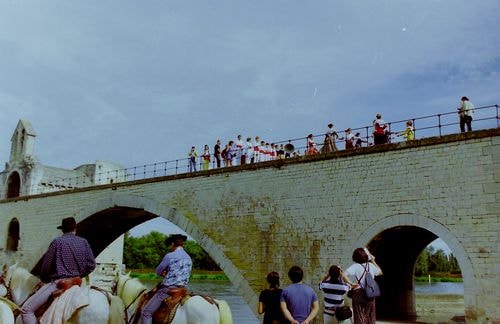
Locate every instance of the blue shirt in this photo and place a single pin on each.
(299, 299)
(68, 256)
(178, 266)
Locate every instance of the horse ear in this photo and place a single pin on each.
(128, 273)
(13, 267)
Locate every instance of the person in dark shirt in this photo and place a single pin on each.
(217, 152)
(269, 300)
(68, 256)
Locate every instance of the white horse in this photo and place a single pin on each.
(6, 306)
(195, 310)
(20, 282)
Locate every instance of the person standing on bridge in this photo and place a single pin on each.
(206, 157)
(217, 151)
(408, 133)
(381, 130)
(465, 111)
(364, 265)
(175, 268)
(192, 156)
(299, 302)
(69, 257)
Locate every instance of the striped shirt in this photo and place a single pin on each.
(333, 295)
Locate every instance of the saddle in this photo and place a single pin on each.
(165, 314)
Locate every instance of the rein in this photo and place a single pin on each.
(9, 289)
(127, 320)
(7, 286)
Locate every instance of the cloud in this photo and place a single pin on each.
(138, 82)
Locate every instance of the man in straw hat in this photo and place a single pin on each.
(68, 258)
(175, 268)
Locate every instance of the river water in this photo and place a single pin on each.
(436, 302)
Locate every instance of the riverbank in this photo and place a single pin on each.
(436, 303)
(148, 274)
(442, 308)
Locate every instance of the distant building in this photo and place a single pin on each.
(25, 175)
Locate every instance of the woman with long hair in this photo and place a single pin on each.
(269, 300)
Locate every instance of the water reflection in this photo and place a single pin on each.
(222, 289)
(439, 288)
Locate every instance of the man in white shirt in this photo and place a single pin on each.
(466, 110)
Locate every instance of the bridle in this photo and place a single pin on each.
(6, 285)
(114, 290)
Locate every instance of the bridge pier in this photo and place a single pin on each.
(396, 251)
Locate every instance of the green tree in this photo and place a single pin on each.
(430, 261)
(422, 264)
(147, 251)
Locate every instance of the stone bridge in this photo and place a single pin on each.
(310, 211)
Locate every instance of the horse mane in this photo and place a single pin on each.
(129, 288)
(21, 281)
(21, 276)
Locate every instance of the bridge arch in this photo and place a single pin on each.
(397, 241)
(98, 224)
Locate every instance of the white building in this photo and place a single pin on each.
(25, 175)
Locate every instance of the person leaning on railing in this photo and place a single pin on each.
(408, 133)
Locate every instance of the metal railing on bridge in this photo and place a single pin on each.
(485, 117)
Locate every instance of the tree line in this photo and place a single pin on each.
(433, 262)
(146, 252)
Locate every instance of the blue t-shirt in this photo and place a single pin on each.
(299, 299)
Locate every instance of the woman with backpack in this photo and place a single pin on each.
(364, 265)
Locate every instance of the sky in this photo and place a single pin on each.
(139, 82)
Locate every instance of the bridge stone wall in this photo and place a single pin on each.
(311, 211)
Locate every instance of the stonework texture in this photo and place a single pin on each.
(310, 211)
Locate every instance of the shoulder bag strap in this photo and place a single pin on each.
(359, 280)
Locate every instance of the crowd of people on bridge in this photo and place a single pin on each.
(254, 150)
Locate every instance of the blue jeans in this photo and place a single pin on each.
(192, 165)
(152, 306)
(34, 302)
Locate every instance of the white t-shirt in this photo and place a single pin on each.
(356, 270)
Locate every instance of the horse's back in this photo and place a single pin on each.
(226, 317)
(99, 310)
(198, 310)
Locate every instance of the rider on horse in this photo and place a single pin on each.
(175, 268)
(68, 259)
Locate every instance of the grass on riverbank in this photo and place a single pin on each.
(149, 274)
(440, 278)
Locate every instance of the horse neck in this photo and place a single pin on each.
(130, 290)
(22, 284)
